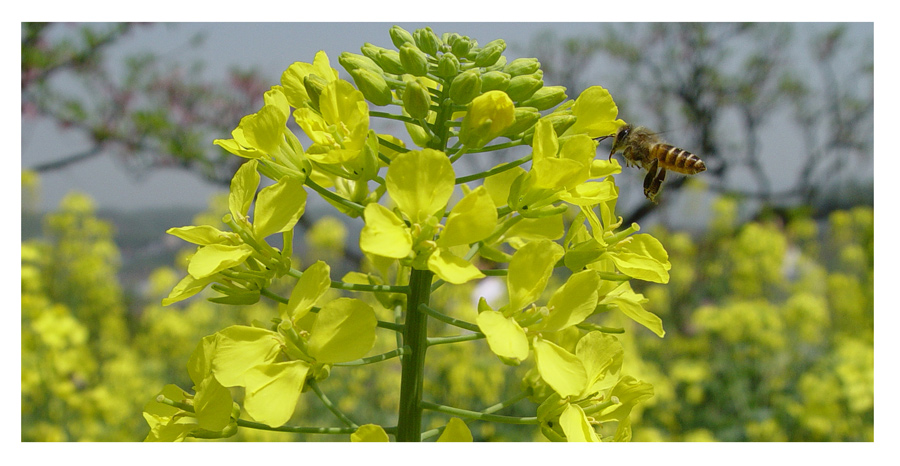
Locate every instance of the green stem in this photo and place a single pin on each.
(454, 339)
(505, 145)
(386, 325)
(376, 358)
(449, 320)
(259, 426)
(357, 286)
(391, 116)
(334, 197)
(489, 410)
(398, 317)
(590, 327)
(391, 145)
(331, 407)
(493, 171)
(373, 288)
(478, 415)
(409, 424)
(297, 429)
(459, 154)
(274, 297)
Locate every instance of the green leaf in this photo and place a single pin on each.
(344, 330)
(243, 188)
(369, 433)
(278, 207)
(472, 219)
(456, 431)
(314, 282)
(214, 258)
(573, 302)
(272, 391)
(576, 426)
(240, 348)
(421, 183)
(384, 234)
(529, 270)
(504, 335)
(643, 257)
(451, 268)
(559, 368)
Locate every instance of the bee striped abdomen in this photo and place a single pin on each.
(677, 160)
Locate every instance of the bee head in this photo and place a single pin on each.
(619, 140)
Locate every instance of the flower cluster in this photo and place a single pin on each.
(422, 219)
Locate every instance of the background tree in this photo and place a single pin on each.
(153, 113)
(751, 100)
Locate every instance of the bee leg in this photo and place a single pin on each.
(651, 174)
(652, 190)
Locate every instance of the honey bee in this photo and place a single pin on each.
(643, 148)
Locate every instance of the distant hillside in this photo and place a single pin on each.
(140, 235)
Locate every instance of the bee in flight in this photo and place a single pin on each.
(643, 148)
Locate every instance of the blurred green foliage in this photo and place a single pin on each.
(773, 332)
(769, 337)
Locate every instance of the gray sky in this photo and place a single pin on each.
(269, 47)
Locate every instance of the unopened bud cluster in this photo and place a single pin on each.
(429, 74)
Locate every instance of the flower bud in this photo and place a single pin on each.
(355, 61)
(400, 36)
(497, 66)
(416, 99)
(490, 53)
(373, 86)
(465, 87)
(521, 66)
(560, 121)
(525, 118)
(427, 41)
(461, 46)
(523, 87)
(488, 116)
(314, 85)
(387, 60)
(448, 65)
(494, 81)
(546, 97)
(413, 60)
